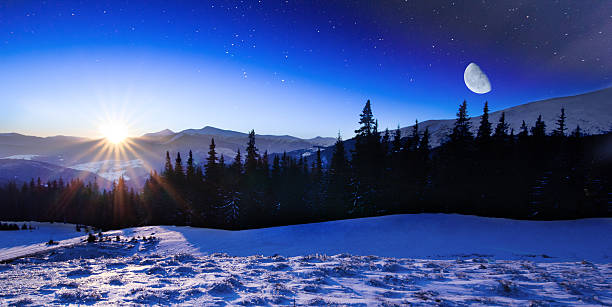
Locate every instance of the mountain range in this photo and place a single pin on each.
(139, 156)
(93, 157)
(591, 111)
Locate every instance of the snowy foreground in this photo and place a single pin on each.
(426, 259)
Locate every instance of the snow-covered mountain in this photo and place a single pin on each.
(145, 153)
(22, 170)
(591, 111)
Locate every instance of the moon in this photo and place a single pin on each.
(476, 80)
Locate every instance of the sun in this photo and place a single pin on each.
(114, 132)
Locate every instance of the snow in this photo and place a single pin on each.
(22, 157)
(589, 110)
(403, 259)
(110, 170)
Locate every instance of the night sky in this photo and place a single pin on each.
(303, 68)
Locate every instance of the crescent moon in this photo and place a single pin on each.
(476, 80)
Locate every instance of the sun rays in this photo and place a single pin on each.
(114, 132)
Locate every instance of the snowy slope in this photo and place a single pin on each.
(592, 111)
(436, 236)
(160, 265)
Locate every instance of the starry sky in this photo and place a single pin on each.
(303, 68)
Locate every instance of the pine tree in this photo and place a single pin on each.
(397, 141)
(539, 130)
(338, 161)
(276, 168)
(366, 120)
(168, 169)
(318, 165)
(338, 191)
(178, 167)
(414, 139)
(501, 130)
(211, 162)
(577, 132)
(462, 133)
(190, 168)
(524, 132)
(237, 164)
(424, 144)
(484, 130)
(222, 161)
(560, 131)
(250, 162)
(386, 141)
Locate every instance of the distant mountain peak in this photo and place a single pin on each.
(164, 132)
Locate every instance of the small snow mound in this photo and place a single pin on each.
(225, 287)
(77, 296)
(252, 300)
(79, 273)
(156, 270)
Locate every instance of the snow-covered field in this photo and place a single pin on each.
(110, 170)
(418, 259)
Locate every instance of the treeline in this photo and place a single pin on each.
(499, 172)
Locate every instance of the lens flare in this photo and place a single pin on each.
(114, 132)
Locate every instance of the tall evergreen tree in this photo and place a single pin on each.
(484, 130)
(577, 132)
(396, 145)
(366, 120)
(222, 161)
(414, 139)
(524, 131)
(250, 162)
(168, 169)
(386, 141)
(539, 130)
(211, 161)
(237, 164)
(178, 167)
(462, 129)
(191, 172)
(501, 130)
(560, 130)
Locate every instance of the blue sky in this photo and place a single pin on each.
(286, 67)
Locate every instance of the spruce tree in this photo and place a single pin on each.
(501, 130)
(366, 120)
(396, 145)
(318, 165)
(484, 130)
(265, 164)
(462, 133)
(237, 164)
(211, 162)
(178, 166)
(250, 162)
(424, 144)
(414, 139)
(524, 131)
(168, 169)
(337, 203)
(539, 130)
(276, 168)
(222, 161)
(577, 133)
(386, 141)
(560, 130)
(338, 161)
(190, 168)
